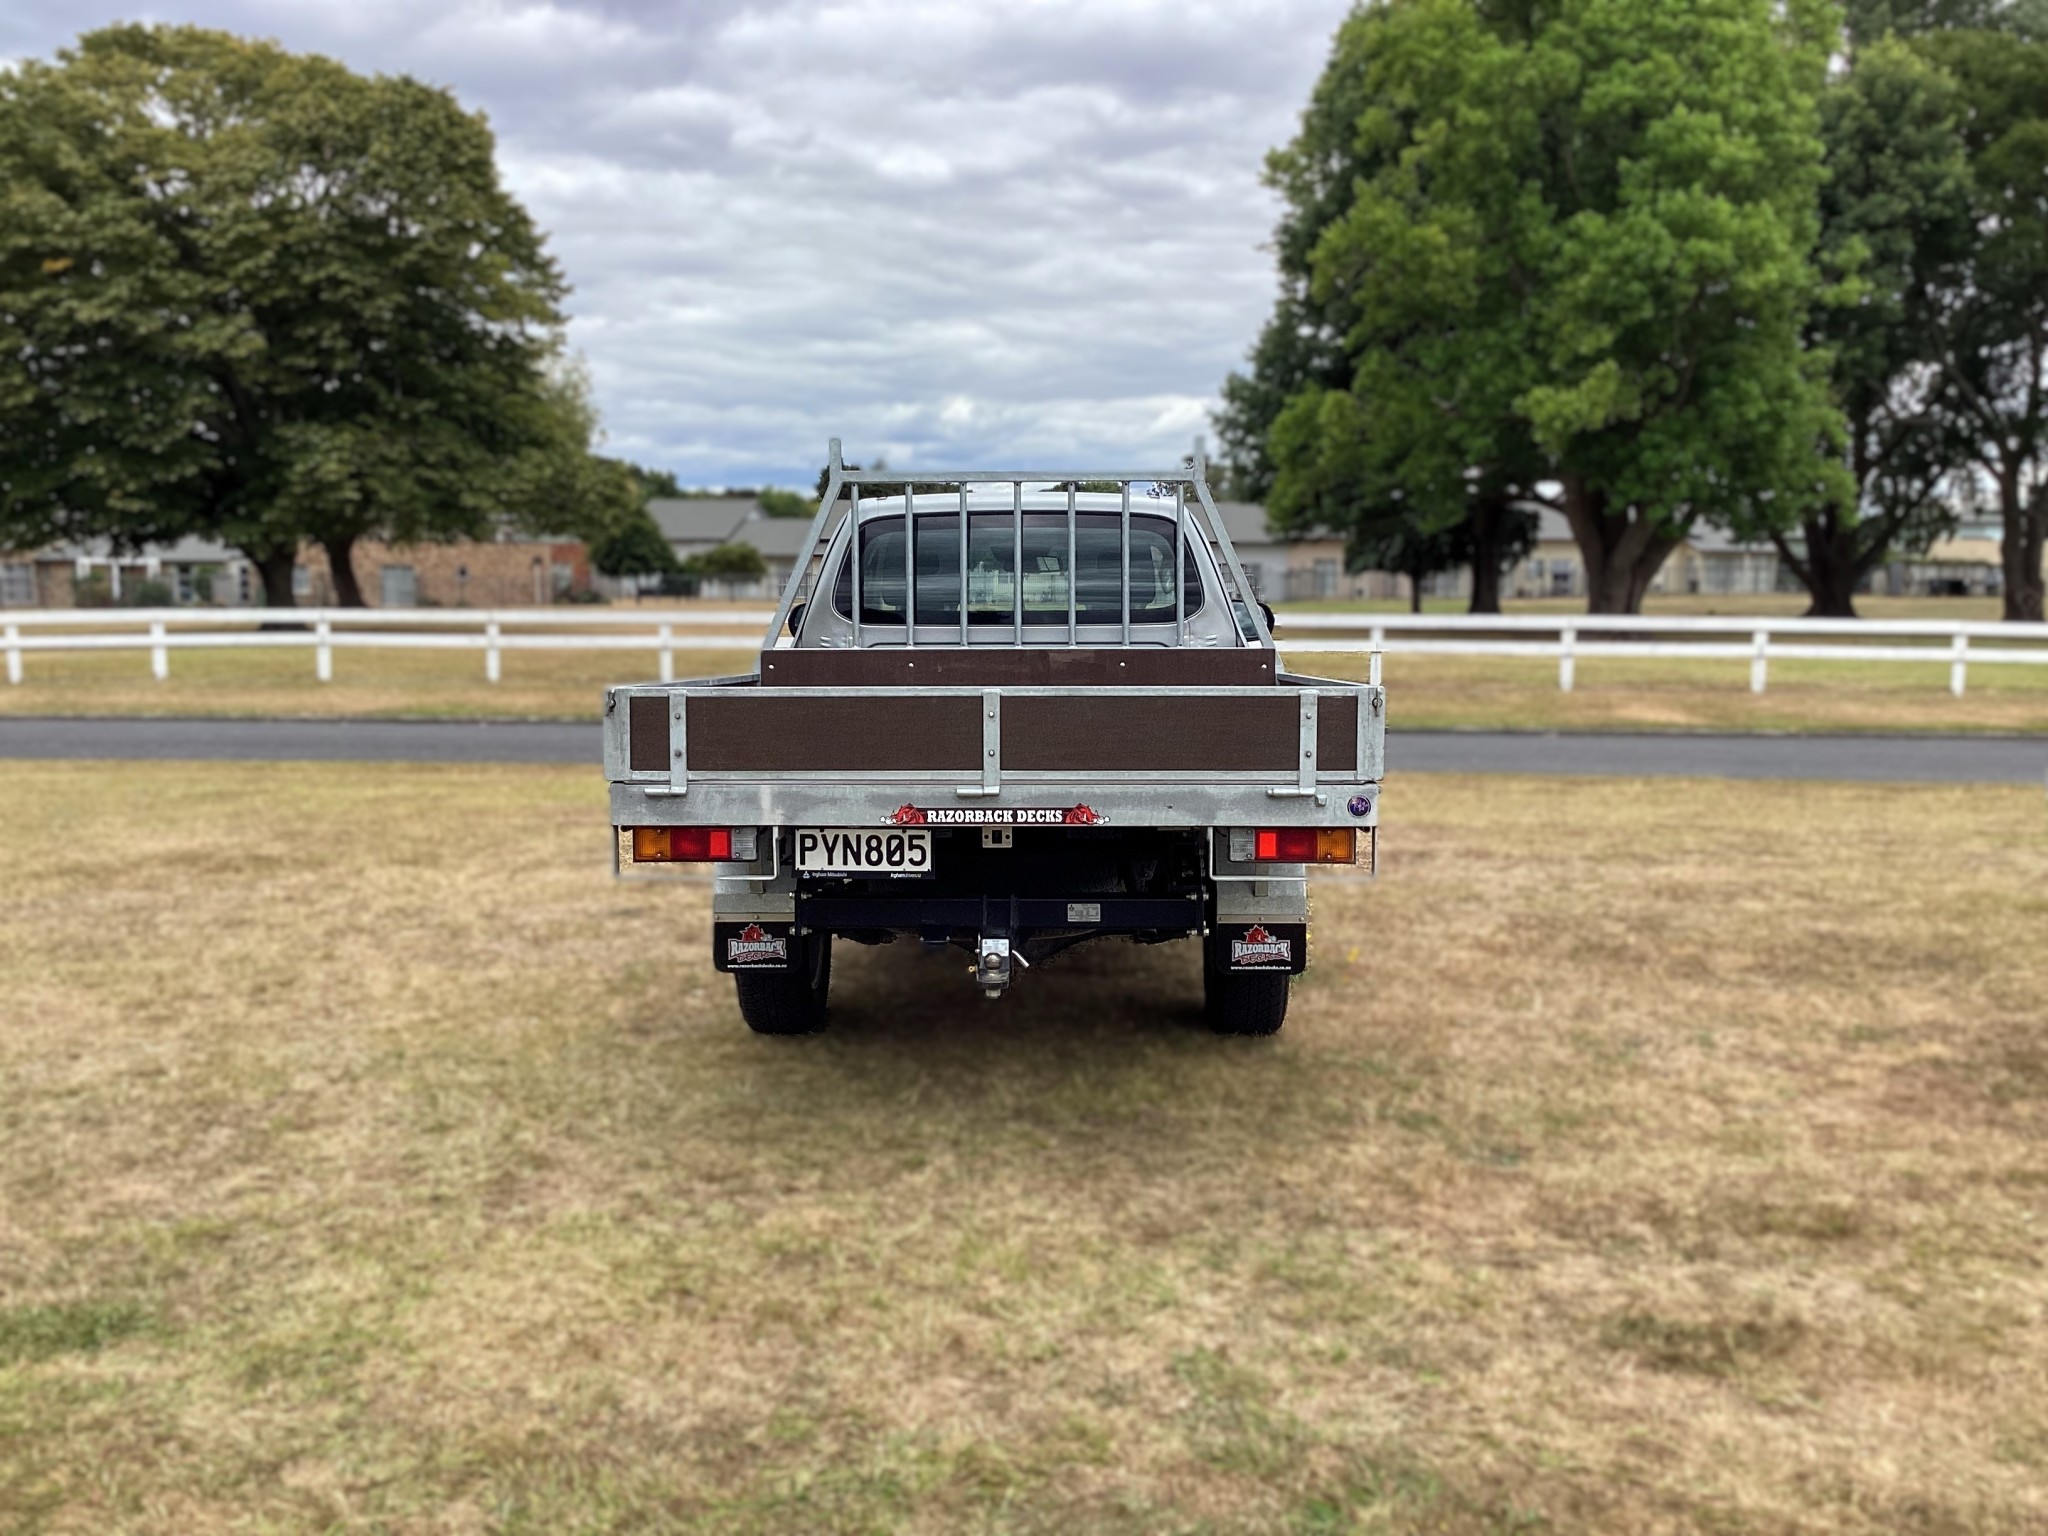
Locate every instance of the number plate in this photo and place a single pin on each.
(863, 851)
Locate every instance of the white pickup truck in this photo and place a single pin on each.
(1070, 724)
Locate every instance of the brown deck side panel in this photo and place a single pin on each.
(1030, 667)
(1150, 735)
(1337, 733)
(756, 732)
(647, 733)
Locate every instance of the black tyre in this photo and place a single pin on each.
(1243, 1002)
(790, 1002)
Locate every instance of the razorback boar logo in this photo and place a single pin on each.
(1259, 948)
(1084, 816)
(906, 816)
(752, 945)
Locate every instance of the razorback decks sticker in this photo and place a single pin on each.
(1279, 947)
(750, 947)
(996, 816)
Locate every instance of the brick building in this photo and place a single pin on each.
(509, 573)
(513, 573)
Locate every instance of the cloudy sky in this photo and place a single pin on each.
(985, 232)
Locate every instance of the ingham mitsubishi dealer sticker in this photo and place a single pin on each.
(1259, 947)
(995, 816)
(752, 946)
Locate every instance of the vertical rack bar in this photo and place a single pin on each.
(963, 562)
(853, 554)
(1180, 564)
(1017, 556)
(814, 547)
(909, 571)
(1124, 533)
(1073, 576)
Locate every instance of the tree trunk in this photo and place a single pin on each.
(1414, 593)
(276, 568)
(1832, 567)
(1489, 520)
(1622, 550)
(2025, 527)
(348, 593)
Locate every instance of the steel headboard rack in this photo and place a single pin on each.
(1191, 474)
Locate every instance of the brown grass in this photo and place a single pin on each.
(1427, 692)
(1637, 1158)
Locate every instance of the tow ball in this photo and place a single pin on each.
(992, 967)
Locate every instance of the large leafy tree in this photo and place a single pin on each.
(1992, 321)
(1416, 504)
(1870, 21)
(1896, 213)
(253, 295)
(1576, 251)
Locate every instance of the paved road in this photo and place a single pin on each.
(1888, 759)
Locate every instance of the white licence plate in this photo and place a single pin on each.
(863, 851)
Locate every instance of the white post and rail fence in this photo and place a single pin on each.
(1956, 646)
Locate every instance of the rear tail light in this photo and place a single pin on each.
(1305, 845)
(682, 845)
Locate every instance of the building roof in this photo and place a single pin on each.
(699, 519)
(1245, 522)
(773, 536)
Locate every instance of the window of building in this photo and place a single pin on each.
(182, 588)
(1326, 578)
(1255, 573)
(302, 581)
(398, 586)
(17, 585)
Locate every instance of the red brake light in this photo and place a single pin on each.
(1304, 845)
(682, 845)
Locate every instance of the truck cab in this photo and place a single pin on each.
(1069, 726)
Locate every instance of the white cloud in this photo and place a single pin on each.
(941, 231)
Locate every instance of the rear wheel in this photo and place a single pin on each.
(790, 1002)
(1243, 1002)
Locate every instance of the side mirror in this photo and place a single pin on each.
(796, 618)
(1272, 624)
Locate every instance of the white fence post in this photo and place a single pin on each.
(323, 650)
(159, 653)
(491, 668)
(14, 653)
(668, 653)
(1567, 661)
(1958, 669)
(1760, 662)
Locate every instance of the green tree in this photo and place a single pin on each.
(1578, 251)
(1895, 211)
(777, 503)
(1993, 305)
(252, 295)
(1870, 21)
(636, 547)
(653, 482)
(728, 562)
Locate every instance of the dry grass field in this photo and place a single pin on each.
(1638, 1158)
(1428, 692)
